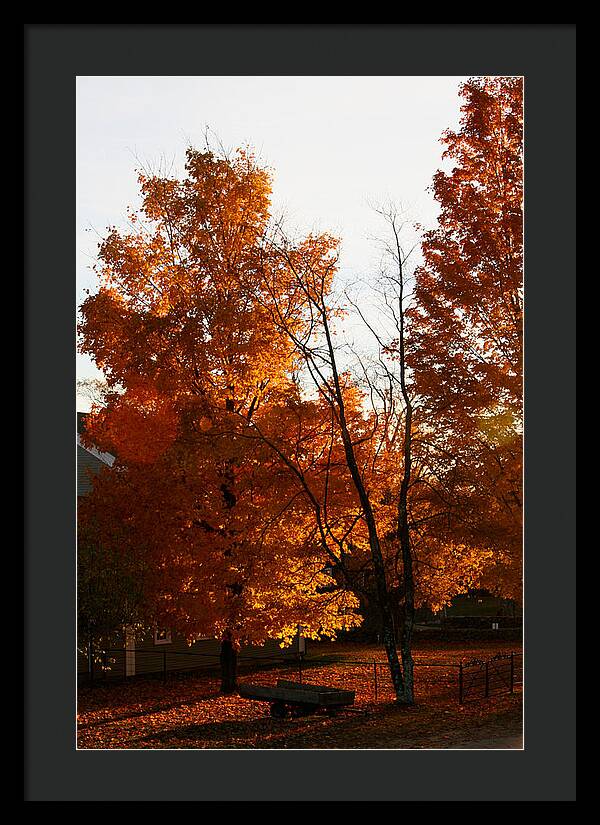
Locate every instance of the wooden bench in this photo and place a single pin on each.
(298, 698)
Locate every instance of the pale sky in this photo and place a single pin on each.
(335, 146)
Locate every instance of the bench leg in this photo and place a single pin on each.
(302, 710)
(279, 710)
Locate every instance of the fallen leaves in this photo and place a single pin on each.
(188, 712)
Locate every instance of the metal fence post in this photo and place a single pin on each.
(164, 666)
(512, 672)
(300, 668)
(375, 677)
(460, 684)
(487, 679)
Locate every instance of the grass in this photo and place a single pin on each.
(188, 712)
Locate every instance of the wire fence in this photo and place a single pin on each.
(118, 664)
(464, 681)
(369, 679)
(484, 678)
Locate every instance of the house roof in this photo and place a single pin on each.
(105, 458)
(89, 460)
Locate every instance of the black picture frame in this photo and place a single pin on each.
(54, 54)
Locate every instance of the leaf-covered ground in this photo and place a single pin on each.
(188, 712)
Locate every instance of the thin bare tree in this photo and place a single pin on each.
(310, 267)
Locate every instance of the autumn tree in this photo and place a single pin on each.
(180, 328)
(352, 441)
(466, 325)
(366, 475)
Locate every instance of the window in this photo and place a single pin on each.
(162, 637)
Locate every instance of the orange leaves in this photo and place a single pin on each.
(473, 260)
(189, 713)
(465, 346)
(236, 187)
(183, 327)
(184, 295)
(138, 427)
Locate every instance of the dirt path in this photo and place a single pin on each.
(493, 743)
(501, 742)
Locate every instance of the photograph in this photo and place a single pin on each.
(298, 412)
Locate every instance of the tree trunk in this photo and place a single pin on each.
(403, 528)
(383, 595)
(391, 651)
(408, 696)
(409, 600)
(228, 658)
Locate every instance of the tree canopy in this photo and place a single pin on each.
(181, 329)
(466, 324)
(262, 482)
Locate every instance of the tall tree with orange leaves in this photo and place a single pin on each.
(465, 326)
(366, 476)
(181, 329)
